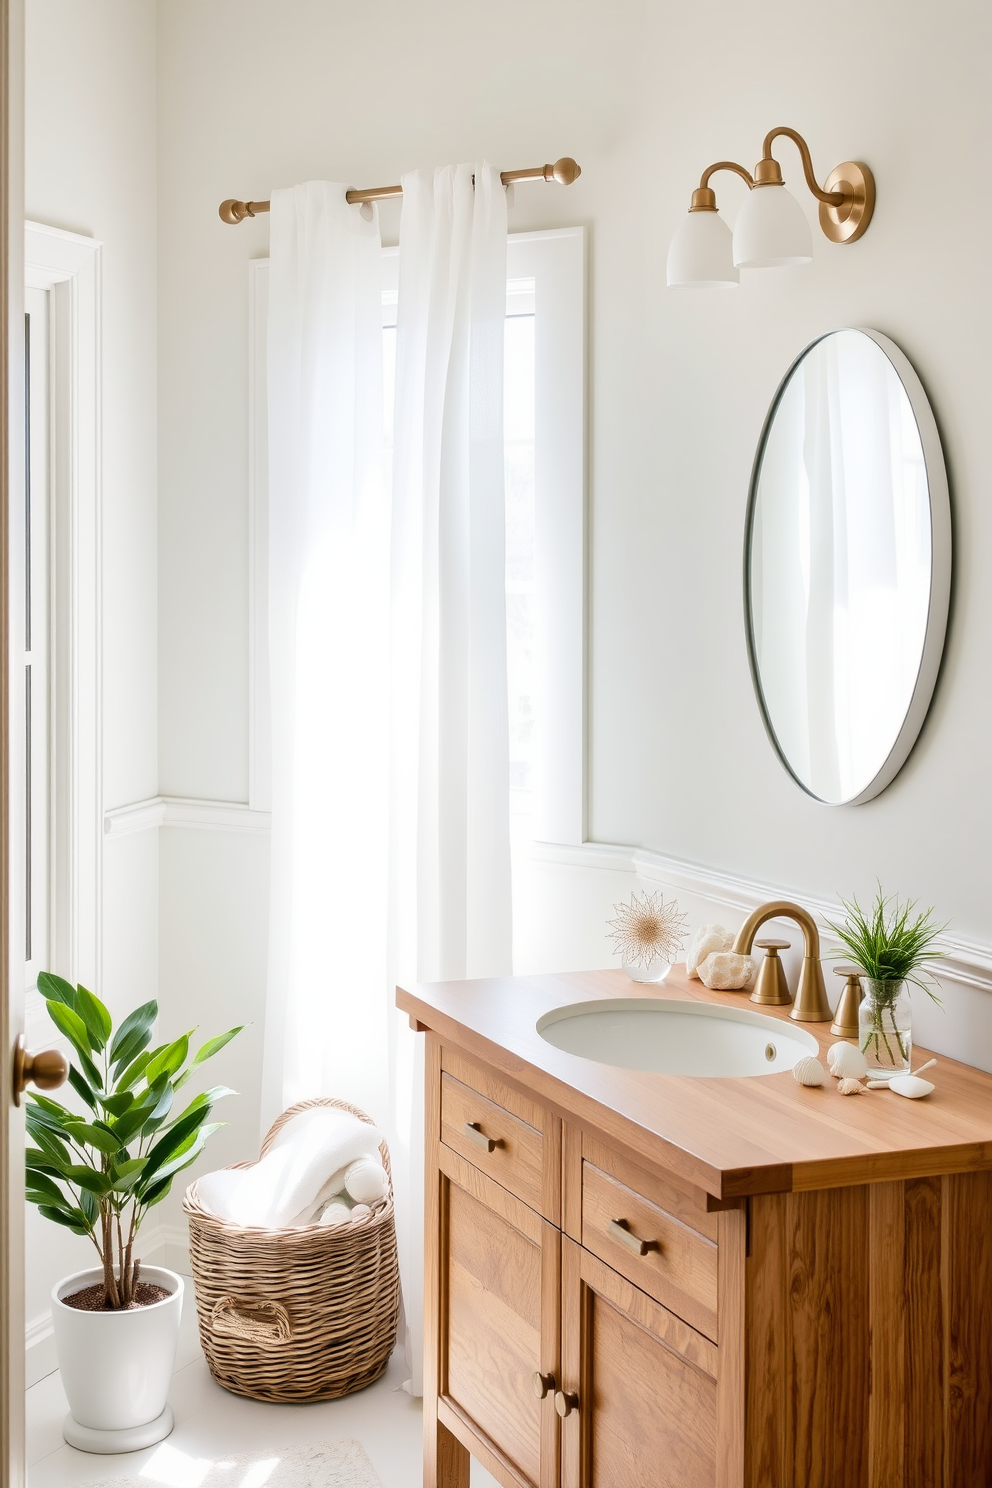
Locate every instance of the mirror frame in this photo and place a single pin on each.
(940, 567)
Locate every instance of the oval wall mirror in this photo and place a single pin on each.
(847, 565)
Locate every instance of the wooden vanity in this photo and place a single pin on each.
(648, 1281)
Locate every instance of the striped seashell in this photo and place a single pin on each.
(808, 1070)
(850, 1087)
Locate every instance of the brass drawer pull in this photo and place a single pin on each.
(543, 1383)
(618, 1230)
(475, 1134)
(566, 1403)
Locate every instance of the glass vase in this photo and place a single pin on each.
(655, 970)
(885, 1022)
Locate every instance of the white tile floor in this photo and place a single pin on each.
(211, 1423)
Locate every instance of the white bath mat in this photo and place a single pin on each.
(341, 1464)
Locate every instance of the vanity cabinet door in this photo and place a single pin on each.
(499, 1324)
(638, 1399)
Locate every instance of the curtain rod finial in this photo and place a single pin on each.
(564, 171)
(233, 212)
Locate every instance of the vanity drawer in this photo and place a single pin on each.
(493, 1140)
(657, 1252)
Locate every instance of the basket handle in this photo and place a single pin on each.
(250, 1318)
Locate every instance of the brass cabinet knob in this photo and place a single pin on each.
(543, 1383)
(48, 1070)
(475, 1134)
(565, 1403)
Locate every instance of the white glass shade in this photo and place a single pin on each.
(701, 254)
(771, 230)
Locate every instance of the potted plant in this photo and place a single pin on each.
(99, 1173)
(894, 950)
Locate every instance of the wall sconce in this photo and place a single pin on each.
(771, 229)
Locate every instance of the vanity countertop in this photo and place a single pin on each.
(730, 1137)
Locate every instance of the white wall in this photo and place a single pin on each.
(90, 168)
(254, 94)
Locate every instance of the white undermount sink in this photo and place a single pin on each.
(671, 1037)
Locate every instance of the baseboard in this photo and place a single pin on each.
(162, 1245)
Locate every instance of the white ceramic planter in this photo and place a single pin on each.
(116, 1367)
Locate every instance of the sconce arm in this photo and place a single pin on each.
(828, 198)
(704, 197)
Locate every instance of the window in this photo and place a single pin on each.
(544, 423)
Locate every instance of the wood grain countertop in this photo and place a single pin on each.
(730, 1137)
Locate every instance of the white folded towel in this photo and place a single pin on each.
(285, 1184)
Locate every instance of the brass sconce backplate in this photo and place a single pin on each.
(846, 223)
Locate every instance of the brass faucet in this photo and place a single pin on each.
(811, 1005)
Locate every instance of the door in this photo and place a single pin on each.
(11, 754)
(499, 1324)
(638, 1397)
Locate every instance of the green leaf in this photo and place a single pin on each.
(89, 1206)
(130, 1048)
(56, 989)
(170, 1145)
(205, 1098)
(73, 1219)
(96, 1017)
(87, 1134)
(133, 1073)
(54, 1149)
(168, 1059)
(41, 1189)
(71, 1024)
(156, 1193)
(139, 1022)
(117, 1104)
(57, 1112)
(81, 1087)
(40, 1162)
(97, 1183)
(214, 1045)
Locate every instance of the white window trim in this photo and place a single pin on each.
(69, 266)
(555, 260)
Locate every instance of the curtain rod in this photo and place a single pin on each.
(564, 171)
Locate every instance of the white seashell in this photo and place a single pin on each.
(723, 971)
(846, 1060)
(808, 1070)
(911, 1086)
(706, 939)
(850, 1087)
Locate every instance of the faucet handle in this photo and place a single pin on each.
(845, 1024)
(772, 988)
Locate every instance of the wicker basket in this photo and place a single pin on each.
(307, 1313)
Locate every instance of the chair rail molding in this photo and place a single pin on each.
(184, 811)
(964, 961)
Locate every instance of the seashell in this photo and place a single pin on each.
(706, 939)
(723, 971)
(850, 1087)
(911, 1086)
(808, 1070)
(846, 1060)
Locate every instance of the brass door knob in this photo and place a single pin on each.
(565, 1403)
(48, 1070)
(543, 1383)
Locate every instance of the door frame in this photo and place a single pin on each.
(12, 1451)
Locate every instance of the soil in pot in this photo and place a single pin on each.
(91, 1298)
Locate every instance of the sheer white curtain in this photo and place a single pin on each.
(326, 1013)
(390, 851)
